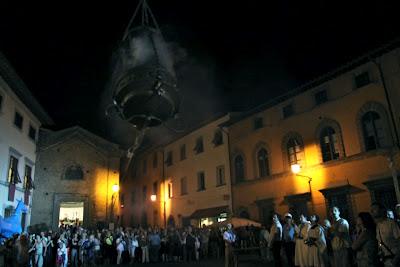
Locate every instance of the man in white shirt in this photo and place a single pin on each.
(229, 238)
(340, 239)
(388, 236)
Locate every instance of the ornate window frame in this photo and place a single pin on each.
(338, 130)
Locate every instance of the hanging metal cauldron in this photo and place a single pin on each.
(143, 81)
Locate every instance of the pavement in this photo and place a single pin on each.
(203, 263)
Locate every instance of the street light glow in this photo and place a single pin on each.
(115, 188)
(296, 168)
(153, 198)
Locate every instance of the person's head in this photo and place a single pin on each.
(390, 214)
(38, 238)
(275, 218)
(314, 218)
(288, 218)
(91, 238)
(335, 212)
(302, 218)
(378, 211)
(229, 226)
(365, 221)
(326, 224)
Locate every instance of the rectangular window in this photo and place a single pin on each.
(32, 133)
(199, 148)
(13, 176)
(184, 186)
(155, 160)
(218, 138)
(169, 159)
(155, 187)
(201, 183)
(18, 120)
(183, 152)
(122, 199)
(258, 123)
(169, 190)
(28, 177)
(144, 166)
(288, 111)
(220, 175)
(320, 97)
(144, 193)
(362, 79)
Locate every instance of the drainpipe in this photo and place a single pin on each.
(391, 164)
(230, 169)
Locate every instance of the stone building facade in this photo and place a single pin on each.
(76, 168)
(189, 179)
(21, 117)
(341, 129)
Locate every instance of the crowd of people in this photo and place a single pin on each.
(374, 240)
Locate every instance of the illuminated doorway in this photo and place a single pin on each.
(71, 213)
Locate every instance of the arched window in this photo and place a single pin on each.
(239, 168)
(263, 166)
(329, 144)
(295, 152)
(373, 130)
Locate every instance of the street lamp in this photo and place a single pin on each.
(153, 198)
(296, 168)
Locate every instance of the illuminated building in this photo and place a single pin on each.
(341, 131)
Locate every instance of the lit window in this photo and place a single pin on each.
(13, 175)
(295, 152)
(329, 144)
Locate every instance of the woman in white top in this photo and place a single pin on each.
(120, 249)
(134, 245)
(316, 243)
(39, 251)
(301, 251)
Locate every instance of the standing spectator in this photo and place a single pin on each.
(143, 243)
(301, 253)
(134, 245)
(229, 239)
(275, 241)
(388, 236)
(264, 237)
(340, 239)
(288, 239)
(74, 250)
(21, 251)
(398, 214)
(328, 256)
(365, 246)
(39, 248)
(204, 239)
(154, 245)
(120, 249)
(317, 244)
(190, 244)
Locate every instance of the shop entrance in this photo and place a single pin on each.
(71, 213)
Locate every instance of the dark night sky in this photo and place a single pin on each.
(233, 54)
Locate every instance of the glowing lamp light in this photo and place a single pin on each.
(122, 206)
(115, 188)
(153, 198)
(296, 168)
